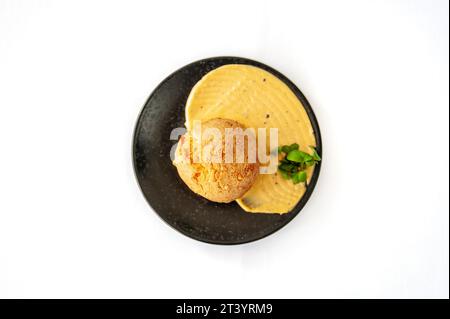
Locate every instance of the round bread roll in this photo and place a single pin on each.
(204, 162)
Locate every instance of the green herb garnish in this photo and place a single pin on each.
(284, 174)
(315, 156)
(299, 177)
(287, 167)
(285, 149)
(294, 163)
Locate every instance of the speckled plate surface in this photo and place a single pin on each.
(166, 193)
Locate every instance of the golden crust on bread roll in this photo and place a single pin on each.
(216, 180)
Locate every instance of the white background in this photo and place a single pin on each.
(75, 74)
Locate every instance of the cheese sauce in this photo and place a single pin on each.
(256, 99)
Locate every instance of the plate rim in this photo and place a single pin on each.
(311, 115)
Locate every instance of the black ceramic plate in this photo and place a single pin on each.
(169, 197)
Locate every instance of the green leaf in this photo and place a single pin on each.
(287, 167)
(298, 156)
(284, 174)
(285, 149)
(315, 155)
(310, 163)
(299, 177)
(307, 158)
(295, 156)
(294, 146)
(279, 150)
